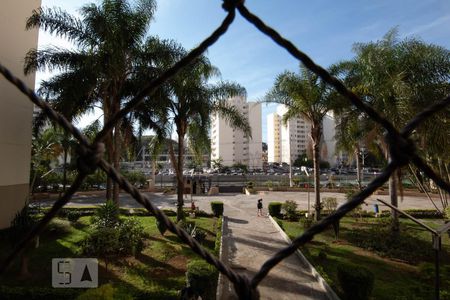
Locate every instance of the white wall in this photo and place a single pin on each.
(231, 144)
(255, 143)
(15, 109)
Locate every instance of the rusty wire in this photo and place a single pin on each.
(401, 148)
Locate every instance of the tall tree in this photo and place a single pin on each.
(191, 102)
(399, 78)
(112, 51)
(305, 95)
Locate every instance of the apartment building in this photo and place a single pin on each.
(287, 141)
(231, 145)
(16, 111)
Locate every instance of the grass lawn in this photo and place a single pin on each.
(158, 272)
(403, 265)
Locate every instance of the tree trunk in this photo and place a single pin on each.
(65, 170)
(116, 161)
(358, 168)
(395, 226)
(316, 133)
(152, 182)
(24, 271)
(180, 180)
(109, 151)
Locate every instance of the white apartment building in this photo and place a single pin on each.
(287, 141)
(230, 144)
(16, 111)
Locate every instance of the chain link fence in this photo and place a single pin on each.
(401, 147)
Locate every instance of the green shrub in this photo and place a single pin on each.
(447, 212)
(198, 234)
(21, 224)
(107, 215)
(102, 242)
(330, 204)
(323, 274)
(73, 216)
(131, 236)
(280, 223)
(306, 222)
(356, 281)
(125, 238)
(217, 243)
(275, 209)
(217, 208)
(201, 277)
(161, 227)
(290, 210)
(423, 213)
(218, 240)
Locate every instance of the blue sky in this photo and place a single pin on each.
(324, 29)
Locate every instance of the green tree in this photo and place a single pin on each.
(217, 163)
(112, 55)
(399, 78)
(306, 96)
(45, 148)
(192, 101)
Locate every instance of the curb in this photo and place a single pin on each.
(220, 280)
(308, 266)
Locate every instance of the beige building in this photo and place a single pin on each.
(286, 142)
(16, 110)
(230, 144)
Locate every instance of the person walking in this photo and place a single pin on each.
(259, 206)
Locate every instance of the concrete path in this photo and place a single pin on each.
(248, 241)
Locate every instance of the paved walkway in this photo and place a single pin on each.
(248, 241)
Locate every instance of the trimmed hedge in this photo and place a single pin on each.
(202, 278)
(218, 240)
(423, 214)
(356, 281)
(217, 208)
(73, 216)
(275, 209)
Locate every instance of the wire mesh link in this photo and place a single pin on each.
(401, 147)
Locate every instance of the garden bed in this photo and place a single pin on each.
(402, 264)
(157, 272)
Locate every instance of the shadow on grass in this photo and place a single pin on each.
(391, 281)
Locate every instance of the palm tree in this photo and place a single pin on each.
(112, 53)
(45, 149)
(349, 138)
(305, 95)
(399, 79)
(190, 102)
